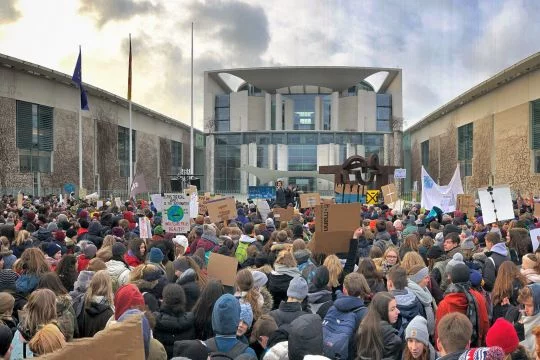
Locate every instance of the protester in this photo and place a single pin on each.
(455, 331)
(96, 306)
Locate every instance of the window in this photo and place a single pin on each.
(535, 134)
(123, 150)
(424, 148)
(327, 112)
(384, 112)
(34, 137)
(176, 157)
(222, 111)
(465, 149)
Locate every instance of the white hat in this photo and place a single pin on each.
(181, 240)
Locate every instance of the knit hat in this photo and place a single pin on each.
(417, 329)
(321, 277)
(410, 229)
(475, 277)
(226, 315)
(127, 297)
(90, 251)
(53, 248)
(502, 333)
(155, 255)
(118, 232)
(527, 263)
(483, 353)
(181, 264)
(173, 294)
(467, 243)
(6, 336)
(480, 220)
(158, 230)
(456, 259)
(209, 233)
(298, 288)
(451, 228)
(83, 214)
(7, 301)
(52, 227)
(269, 222)
(59, 235)
(246, 314)
(118, 250)
(459, 273)
(435, 252)
(420, 275)
(146, 331)
(181, 240)
(71, 233)
(190, 349)
(259, 279)
(83, 281)
(7, 280)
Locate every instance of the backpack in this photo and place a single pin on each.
(237, 350)
(338, 329)
(241, 252)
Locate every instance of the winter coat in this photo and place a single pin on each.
(392, 342)
(18, 250)
(497, 255)
(280, 198)
(173, 326)
(268, 300)
(26, 283)
(280, 351)
(93, 318)
(383, 240)
(305, 337)
(364, 247)
(191, 287)
(82, 262)
(320, 300)
(132, 260)
(94, 234)
(278, 283)
(305, 265)
(409, 307)
(66, 316)
(119, 273)
(152, 287)
(427, 302)
(287, 312)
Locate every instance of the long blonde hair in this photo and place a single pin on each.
(100, 285)
(21, 237)
(47, 340)
(334, 269)
(34, 262)
(39, 310)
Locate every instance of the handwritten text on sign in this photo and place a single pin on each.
(176, 213)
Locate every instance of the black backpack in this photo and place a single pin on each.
(232, 354)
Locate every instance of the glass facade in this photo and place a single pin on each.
(384, 112)
(424, 149)
(222, 113)
(465, 149)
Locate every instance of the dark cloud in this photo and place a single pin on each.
(8, 11)
(109, 10)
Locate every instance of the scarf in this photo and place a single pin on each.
(472, 307)
(286, 270)
(430, 307)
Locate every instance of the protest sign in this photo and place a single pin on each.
(221, 267)
(334, 226)
(328, 201)
(372, 197)
(465, 204)
(175, 217)
(117, 202)
(389, 193)
(500, 200)
(349, 193)
(398, 205)
(283, 214)
(537, 211)
(82, 193)
(309, 200)
(158, 201)
(261, 192)
(190, 190)
(441, 196)
(221, 209)
(400, 173)
(99, 204)
(264, 208)
(145, 229)
(193, 205)
(19, 200)
(535, 238)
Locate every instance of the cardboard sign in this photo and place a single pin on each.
(465, 204)
(283, 214)
(501, 200)
(264, 208)
(145, 229)
(118, 202)
(221, 209)
(123, 339)
(328, 201)
(334, 227)
(158, 201)
(537, 211)
(400, 173)
(309, 200)
(223, 268)
(19, 200)
(349, 189)
(398, 205)
(372, 197)
(389, 193)
(175, 217)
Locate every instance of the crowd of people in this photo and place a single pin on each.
(413, 285)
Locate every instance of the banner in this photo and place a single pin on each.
(444, 197)
(158, 201)
(309, 200)
(221, 209)
(261, 192)
(497, 206)
(175, 217)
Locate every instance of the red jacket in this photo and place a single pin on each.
(132, 260)
(457, 302)
(82, 263)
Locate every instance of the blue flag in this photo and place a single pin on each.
(77, 79)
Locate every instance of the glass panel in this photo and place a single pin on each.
(343, 138)
(263, 139)
(383, 125)
(356, 139)
(384, 100)
(327, 138)
(279, 139)
(373, 139)
(25, 163)
(302, 157)
(35, 130)
(223, 125)
(222, 100)
(383, 113)
(537, 162)
(222, 113)
(250, 138)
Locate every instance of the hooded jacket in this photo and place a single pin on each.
(530, 322)
(118, 271)
(189, 283)
(383, 240)
(392, 342)
(320, 300)
(305, 337)
(173, 326)
(93, 234)
(426, 300)
(496, 256)
(409, 307)
(305, 265)
(94, 318)
(287, 312)
(278, 283)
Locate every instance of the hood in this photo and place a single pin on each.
(187, 277)
(43, 234)
(382, 236)
(246, 239)
(211, 238)
(457, 301)
(500, 249)
(25, 284)
(94, 228)
(63, 302)
(116, 268)
(319, 296)
(346, 303)
(302, 256)
(535, 288)
(97, 308)
(404, 297)
(305, 337)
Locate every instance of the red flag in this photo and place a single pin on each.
(129, 71)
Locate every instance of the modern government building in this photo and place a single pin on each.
(297, 119)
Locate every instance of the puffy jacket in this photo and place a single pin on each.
(93, 318)
(278, 285)
(66, 316)
(119, 273)
(287, 312)
(497, 255)
(173, 326)
(189, 283)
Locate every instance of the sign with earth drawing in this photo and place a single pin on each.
(176, 213)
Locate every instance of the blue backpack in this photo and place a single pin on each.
(339, 328)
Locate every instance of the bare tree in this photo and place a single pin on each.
(107, 148)
(165, 163)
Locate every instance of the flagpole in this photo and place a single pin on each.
(80, 134)
(130, 124)
(192, 147)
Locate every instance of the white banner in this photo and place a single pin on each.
(443, 197)
(176, 213)
(498, 206)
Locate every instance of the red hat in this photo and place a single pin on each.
(503, 334)
(127, 297)
(83, 214)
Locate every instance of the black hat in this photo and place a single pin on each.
(460, 273)
(451, 228)
(7, 280)
(118, 250)
(435, 252)
(6, 336)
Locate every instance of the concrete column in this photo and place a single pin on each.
(387, 149)
(210, 146)
(336, 155)
(361, 150)
(289, 114)
(335, 111)
(252, 155)
(351, 150)
(282, 159)
(398, 148)
(279, 112)
(318, 113)
(323, 159)
(268, 111)
(271, 159)
(244, 159)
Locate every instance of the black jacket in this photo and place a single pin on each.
(280, 198)
(93, 319)
(392, 342)
(495, 258)
(305, 337)
(278, 285)
(171, 327)
(93, 234)
(287, 312)
(191, 288)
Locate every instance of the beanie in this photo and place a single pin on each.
(146, 331)
(417, 329)
(451, 228)
(6, 336)
(52, 249)
(118, 250)
(503, 334)
(158, 230)
(90, 251)
(7, 280)
(181, 240)
(456, 259)
(127, 297)
(118, 232)
(475, 277)
(209, 233)
(269, 222)
(226, 315)
(173, 294)
(246, 314)
(181, 264)
(435, 252)
(259, 279)
(298, 288)
(155, 255)
(483, 353)
(190, 349)
(420, 275)
(71, 233)
(460, 273)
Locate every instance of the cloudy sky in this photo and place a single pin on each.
(443, 47)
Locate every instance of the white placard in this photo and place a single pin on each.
(502, 201)
(194, 205)
(175, 217)
(99, 204)
(118, 202)
(535, 238)
(264, 208)
(400, 173)
(145, 229)
(157, 199)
